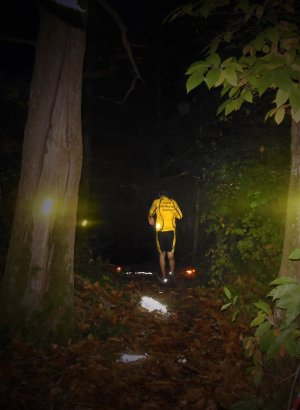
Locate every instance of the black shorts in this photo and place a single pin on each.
(165, 241)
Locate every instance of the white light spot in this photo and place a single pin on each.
(47, 206)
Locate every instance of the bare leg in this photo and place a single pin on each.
(171, 261)
(162, 263)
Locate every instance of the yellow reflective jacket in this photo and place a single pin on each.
(166, 211)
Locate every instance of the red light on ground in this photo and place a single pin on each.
(190, 273)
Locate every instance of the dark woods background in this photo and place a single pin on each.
(229, 175)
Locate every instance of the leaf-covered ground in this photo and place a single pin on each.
(193, 354)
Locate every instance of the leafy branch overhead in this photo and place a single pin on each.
(268, 57)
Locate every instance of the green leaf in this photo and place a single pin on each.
(247, 96)
(212, 77)
(237, 66)
(231, 106)
(283, 80)
(265, 49)
(214, 60)
(227, 62)
(249, 61)
(243, 5)
(279, 115)
(275, 60)
(228, 36)
(295, 97)
(226, 306)
(266, 340)
(230, 75)
(207, 8)
(264, 307)
(272, 34)
(249, 12)
(226, 88)
(295, 255)
(214, 45)
(262, 329)
(194, 81)
(199, 66)
(178, 12)
(233, 91)
(290, 56)
(259, 41)
(227, 293)
(260, 318)
(273, 350)
(281, 97)
(288, 297)
(270, 113)
(284, 280)
(287, 339)
(222, 107)
(249, 402)
(264, 83)
(221, 80)
(235, 299)
(234, 316)
(253, 81)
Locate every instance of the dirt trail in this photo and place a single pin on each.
(193, 356)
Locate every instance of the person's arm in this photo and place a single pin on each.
(151, 214)
(151, 220)
(178, 213)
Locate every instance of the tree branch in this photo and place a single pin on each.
(18, 40)
(137, 75)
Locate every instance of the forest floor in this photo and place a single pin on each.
(190, 357)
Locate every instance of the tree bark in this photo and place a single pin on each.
(292, 226)
(37, 288)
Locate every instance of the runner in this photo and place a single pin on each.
(163, 214)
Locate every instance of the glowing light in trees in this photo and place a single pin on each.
(84, 222)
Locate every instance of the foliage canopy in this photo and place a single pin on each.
(264, 54)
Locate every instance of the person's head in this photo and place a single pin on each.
(163, 193)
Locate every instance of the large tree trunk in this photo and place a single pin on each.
(37, 289)
(292, 227)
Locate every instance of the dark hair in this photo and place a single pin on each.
(163, 193)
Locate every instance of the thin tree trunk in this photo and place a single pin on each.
(37, 289)
(292, 226)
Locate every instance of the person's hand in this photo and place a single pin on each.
(151, 220)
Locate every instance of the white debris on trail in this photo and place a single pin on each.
(132, 357)
(152, 304)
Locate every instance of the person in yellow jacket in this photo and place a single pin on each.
(163, 214)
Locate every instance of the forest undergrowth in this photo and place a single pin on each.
(123, 356)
